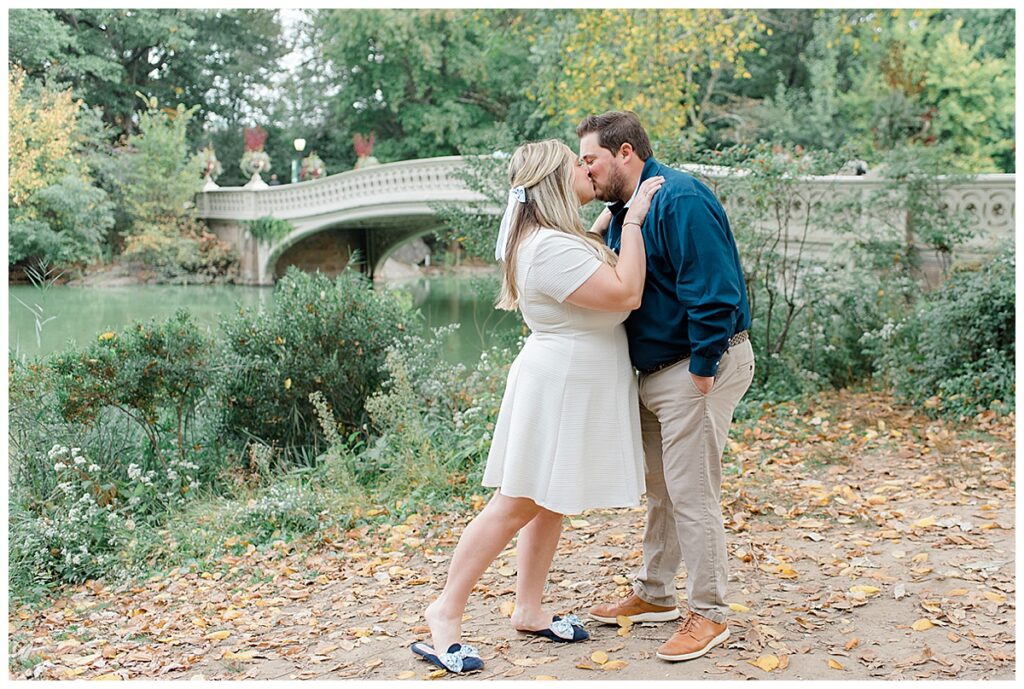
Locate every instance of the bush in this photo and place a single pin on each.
(955, 353)
(320, 335)
(153, 374)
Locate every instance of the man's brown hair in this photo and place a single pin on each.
(615, 128)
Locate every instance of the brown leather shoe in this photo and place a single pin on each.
(697, 636)
(635, 608)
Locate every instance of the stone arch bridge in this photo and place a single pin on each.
(375, 210)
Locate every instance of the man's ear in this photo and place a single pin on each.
(626, 151)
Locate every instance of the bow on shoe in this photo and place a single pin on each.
(563, 627)
(454, 661)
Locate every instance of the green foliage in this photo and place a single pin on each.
(432, 420)
(320, 335)
(954, 354)
(270, 229)
(71, 218)
(213, 57)
(153, 373)
(426, 81)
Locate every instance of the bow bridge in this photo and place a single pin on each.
(376, 210)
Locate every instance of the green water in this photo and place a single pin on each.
(79, 314)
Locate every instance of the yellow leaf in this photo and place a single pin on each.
(287, 383)
(440, 672)
(506, 571)
(995, 597)
(922, 624)
(110, 676)
(620, 580)
(866, 590)
(623, 621)
(545, 677)
(957, 592)
(241, 655)
(218, 636)
(614, 665)
(924, 523)
(766, 663)
(507, 608)
(599, 657)
(408, 674)
(738, 607)
(107, 336)
(834, 665)
(578, 523)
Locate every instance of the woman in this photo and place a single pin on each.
(567, 436)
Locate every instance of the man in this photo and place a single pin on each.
(689, 342)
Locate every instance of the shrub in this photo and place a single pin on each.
(955, 353)
(319, 335)
(74, 533)
(433, 423)
(155, 374)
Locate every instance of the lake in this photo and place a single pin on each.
(78, 314)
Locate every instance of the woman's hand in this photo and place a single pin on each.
(642, 201)
(600, 225)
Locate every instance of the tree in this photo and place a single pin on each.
(55, 215)
(214, 58)
(428, 82)
(662, 64)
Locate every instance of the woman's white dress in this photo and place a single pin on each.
(568, 432)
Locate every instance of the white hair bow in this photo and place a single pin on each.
(515, 195)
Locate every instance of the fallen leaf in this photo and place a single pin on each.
(834, 664)
(109, 676)
(218, 636)
(766, 662)
(922, 624)
(545, 677)
(866, 590)
(507, 608)
(995, 597)
(599, 657)
(408, 674)
(738, 607)
(852, 643)
(507, 571)
(614, 665)
(241, 655)
(924, 523)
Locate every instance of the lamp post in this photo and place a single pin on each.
(300, 146)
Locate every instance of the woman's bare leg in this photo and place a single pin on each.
(535, 549)
(484, 538)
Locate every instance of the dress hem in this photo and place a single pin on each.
(569, 512)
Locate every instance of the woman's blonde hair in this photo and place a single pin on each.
(545, 170)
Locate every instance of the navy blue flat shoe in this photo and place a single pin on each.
(568, 629)
(460, 658)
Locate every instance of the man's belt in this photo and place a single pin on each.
(733, 341)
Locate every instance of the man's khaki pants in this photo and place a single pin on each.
(684, 434)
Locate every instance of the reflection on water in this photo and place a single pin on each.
(79, 314)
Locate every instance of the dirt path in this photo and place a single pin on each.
(866, 542)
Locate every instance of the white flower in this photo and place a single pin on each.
(94, 467)
(130, 525)
(76, 450)
(79, 460)
(134, 471)
(59, 465)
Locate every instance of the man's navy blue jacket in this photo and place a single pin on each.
(694, 297)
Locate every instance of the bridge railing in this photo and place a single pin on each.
(373, 186)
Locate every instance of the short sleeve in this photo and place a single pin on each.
(561, 263)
